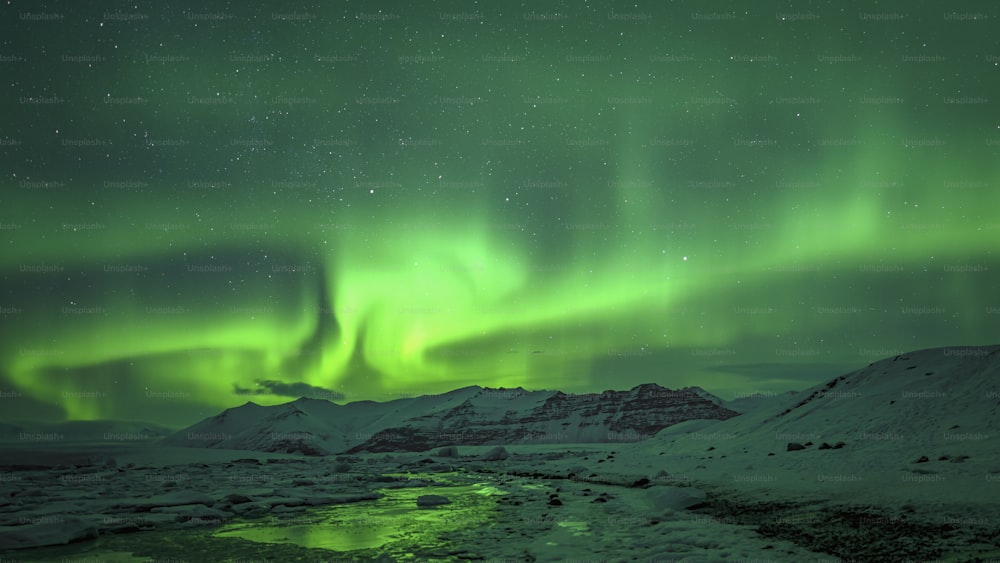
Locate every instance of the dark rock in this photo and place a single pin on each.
(839, 445)
(432, 500)
(922, 459)
(438, 468)
(555, 502)
(237, 499)
(639, 412)
(246, 460)
(793, 446)
(960, 459)
(825, 446)
(640, 483)
(448, 451)
(496, 454)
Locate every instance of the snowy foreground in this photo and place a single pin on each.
(898, 461)
(522, 508)
(540, 503)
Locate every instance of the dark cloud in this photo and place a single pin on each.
(282, 389)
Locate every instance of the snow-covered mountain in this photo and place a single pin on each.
(514, 416)
(469, 416)
(926, 421)
(941, 398)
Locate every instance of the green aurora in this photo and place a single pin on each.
(384, 200)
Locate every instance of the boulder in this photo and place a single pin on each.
(793, 446)
(236, 498)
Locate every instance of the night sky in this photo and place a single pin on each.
(204, 204)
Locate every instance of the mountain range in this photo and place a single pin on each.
(466, 416)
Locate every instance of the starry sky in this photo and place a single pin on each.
(209, 203)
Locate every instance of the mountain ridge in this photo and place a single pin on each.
(470, 415)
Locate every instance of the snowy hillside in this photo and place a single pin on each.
(755, 401)
(908, 444)
(927, 402)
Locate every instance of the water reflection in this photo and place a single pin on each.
(373, 524)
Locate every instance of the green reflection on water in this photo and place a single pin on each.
(373, 524)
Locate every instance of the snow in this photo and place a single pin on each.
(49, 530)
(702, 490)
(466, 415)
(173, 498)
(756, 401)
(888, 414)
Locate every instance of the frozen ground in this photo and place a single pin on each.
(285, 508)
(242, 506)
(898, 461)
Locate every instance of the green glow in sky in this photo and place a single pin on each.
(370, 204)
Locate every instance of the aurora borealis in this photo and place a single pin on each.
(381, 199)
